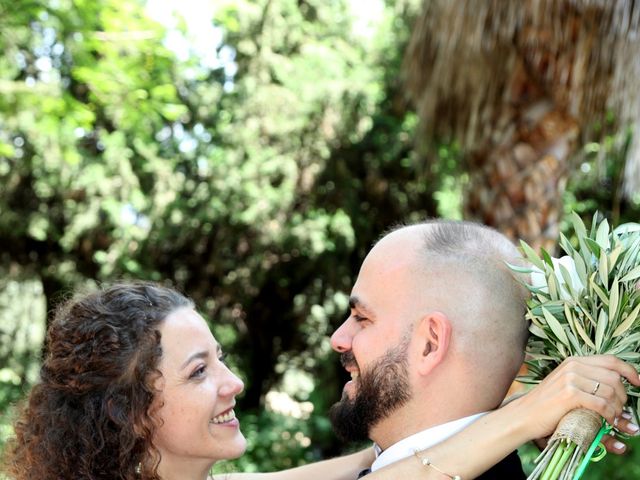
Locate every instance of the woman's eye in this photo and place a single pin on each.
(198, 372)
(359, 318)
(223, 358)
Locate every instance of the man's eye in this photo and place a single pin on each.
(359, 318)
(198, 372)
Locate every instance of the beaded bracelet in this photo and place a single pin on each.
(427, 463)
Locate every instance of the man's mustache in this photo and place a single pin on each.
(347, 359)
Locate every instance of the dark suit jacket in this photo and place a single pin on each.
(508, 469)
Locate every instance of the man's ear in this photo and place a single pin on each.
(434, 337)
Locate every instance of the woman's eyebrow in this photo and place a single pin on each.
(204, 354)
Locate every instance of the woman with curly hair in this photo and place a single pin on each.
(134, 386)
(92, 413)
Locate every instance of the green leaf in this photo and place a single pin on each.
(576, 347)
(555, 326)
(566, 246)
(537, 331)
(614, 256)
(546, 257)
(581, 268)
(627, 323)
(568, 314)
(599, 291)
(566, 277)
(613, 299)
(589, 317)
(603, 269)
(578, 225)
(629, 356)
(594, 224)
(540, 356)
(629, 342)
(561, 351)
(531, 255)
(602, 236)
(519, 269)
(537, 321)
(630, 260)
(585, 338)
(601, 328)
(632, 275)
(555, 308)
(554, 288)
(592, 246)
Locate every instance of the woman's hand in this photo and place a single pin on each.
(592, 382)
(534, 415)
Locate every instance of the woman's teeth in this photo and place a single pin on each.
(224, 418)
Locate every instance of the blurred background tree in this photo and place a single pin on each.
(249, 153)
(523, 86)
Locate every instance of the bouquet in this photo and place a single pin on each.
(585, 303)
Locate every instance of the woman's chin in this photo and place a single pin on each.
(237, 447)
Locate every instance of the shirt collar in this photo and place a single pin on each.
(421, 441)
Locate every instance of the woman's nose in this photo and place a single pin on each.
(232, 384)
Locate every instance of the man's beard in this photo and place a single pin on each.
(381, 390)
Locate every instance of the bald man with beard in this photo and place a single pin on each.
(435, 337)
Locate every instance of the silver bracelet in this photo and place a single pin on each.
(427, 463)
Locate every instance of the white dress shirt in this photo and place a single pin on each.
(421, 440)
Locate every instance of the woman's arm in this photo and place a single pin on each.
(534, 415)
(491, 438)
(341, 468)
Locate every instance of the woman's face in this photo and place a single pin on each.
(197, 395)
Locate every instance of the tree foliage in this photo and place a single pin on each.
(256, 185)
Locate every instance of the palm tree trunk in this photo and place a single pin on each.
(517, 178)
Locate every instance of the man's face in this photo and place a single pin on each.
(375, 341)
(383, 388)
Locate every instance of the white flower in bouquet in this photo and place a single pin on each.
(564, 268)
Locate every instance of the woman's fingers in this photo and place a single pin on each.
(594, 378)
(602, 383)
(608, 362)
(594, 383)
(626, 424)
(613, 445)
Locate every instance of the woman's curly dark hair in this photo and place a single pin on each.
(89, 416)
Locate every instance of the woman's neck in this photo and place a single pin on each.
(184, 469)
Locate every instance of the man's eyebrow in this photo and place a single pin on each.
(355, 302)
(203, 354)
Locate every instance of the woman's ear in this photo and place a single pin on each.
(434, 336)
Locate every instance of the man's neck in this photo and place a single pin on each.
(422, 440)
(414, 418)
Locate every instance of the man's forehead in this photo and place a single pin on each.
(412, 234)
(384, 268)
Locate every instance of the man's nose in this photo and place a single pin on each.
(341, 338)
